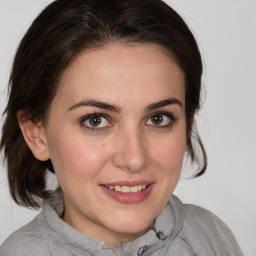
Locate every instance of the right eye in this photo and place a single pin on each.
(95, 121)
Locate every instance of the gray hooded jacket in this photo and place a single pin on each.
(180, 230)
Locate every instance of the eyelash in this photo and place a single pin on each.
(170, 116)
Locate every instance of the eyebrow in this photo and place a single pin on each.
(163, 103)
(97, 104)
(116, 109)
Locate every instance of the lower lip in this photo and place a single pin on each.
(129, 198)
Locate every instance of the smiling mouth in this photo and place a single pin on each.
(127, 189)
(126, 192)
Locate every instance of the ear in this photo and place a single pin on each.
(34, 135)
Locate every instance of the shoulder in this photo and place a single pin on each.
(26, 241)
(203, 218)
(196, 213)
(201, 226)
(192, 216)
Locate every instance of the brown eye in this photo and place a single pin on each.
(161, 119)
(94, 120)
(157, 119)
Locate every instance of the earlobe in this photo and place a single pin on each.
(34, 135)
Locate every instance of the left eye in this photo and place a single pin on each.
(159, 119)
(95, 121)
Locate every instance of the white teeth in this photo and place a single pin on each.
(127, 189)
(135, 189)
(118, 188)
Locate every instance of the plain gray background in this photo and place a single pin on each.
(226, 33)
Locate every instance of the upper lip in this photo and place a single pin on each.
(128, 183)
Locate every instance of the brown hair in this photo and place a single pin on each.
(59, 34)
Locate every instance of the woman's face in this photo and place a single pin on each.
(116, 135)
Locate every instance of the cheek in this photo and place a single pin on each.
(76, 157)
(169, 152)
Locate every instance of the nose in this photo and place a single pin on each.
(131, 152)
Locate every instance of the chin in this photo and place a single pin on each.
(131, 225)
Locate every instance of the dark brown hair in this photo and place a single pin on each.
(56, 37)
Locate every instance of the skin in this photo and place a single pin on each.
(126, 146)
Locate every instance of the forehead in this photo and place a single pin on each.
(122, 72)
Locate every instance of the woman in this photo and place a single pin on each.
(103, 94)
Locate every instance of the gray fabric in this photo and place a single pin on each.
(180, 229)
